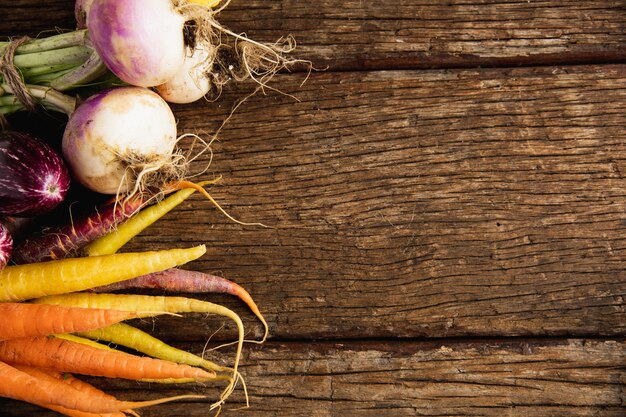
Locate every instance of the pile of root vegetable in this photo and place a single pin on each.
(65, 291)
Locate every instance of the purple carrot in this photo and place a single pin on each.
(66, 241)
(180, 280)
(6, 245)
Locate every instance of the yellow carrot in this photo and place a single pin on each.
(83, 340)
(207, 3)
(23, 282)
(125, 335)
(114, 240)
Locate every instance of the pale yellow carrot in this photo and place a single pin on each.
(123, 334)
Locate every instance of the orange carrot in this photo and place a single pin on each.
(68, 379)
(28, 320)
(77, 413)
(23, 282)
(22, 386)
(67, 356)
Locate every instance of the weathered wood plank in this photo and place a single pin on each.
(482, 202)
(514, 378)
(405, 34)
(424, 33)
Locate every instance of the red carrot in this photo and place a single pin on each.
(65, 241)
(183, 281)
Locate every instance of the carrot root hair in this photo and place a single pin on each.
(205, 193)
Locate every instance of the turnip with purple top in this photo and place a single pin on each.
(123, 140)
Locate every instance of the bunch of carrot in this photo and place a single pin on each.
(55, 311)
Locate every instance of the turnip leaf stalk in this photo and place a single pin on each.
(67, 59)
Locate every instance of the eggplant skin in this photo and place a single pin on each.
(6, 245)
(33, 177)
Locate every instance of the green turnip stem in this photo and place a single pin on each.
(10, 109)
(8, 100)
(47, 79)
(48, 97)
(73, 55)
(63, 52)
(92, 69)
(46, 69)
(63, 40)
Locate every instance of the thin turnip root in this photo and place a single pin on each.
(123, 139)
(144, 43)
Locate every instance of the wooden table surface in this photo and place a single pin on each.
(448, 207)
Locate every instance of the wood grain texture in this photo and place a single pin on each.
(468, 206)
(404, 204)
(512, 378)
(403, 34)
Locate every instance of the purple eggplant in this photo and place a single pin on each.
(33, 177)
(6, 245)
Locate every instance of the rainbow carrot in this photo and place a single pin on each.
(23, 282)
(184, 281)
(125, 335)
(111, 242)
(66, 241)
(29, 320)
(66, 356)
(68, 379)
(97, 345)
(158, 303)
(20, 385)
